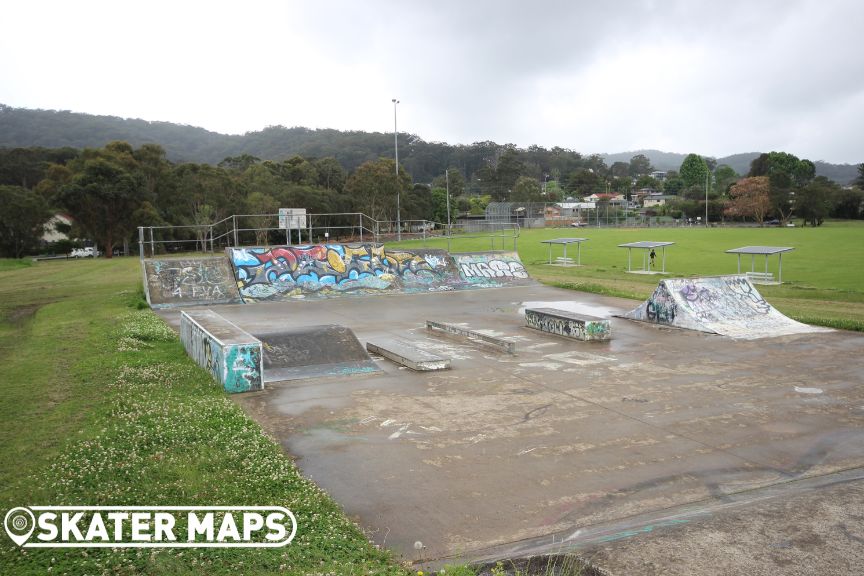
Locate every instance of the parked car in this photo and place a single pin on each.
(88, 252)
(578, 224)
(773, 222)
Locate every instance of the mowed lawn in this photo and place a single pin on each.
(823, 277)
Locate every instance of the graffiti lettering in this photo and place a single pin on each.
(493, 269)
(179, 281)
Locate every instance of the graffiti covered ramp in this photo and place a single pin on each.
(280, 273)
(189, 282)
(726, 305)
(313, 351)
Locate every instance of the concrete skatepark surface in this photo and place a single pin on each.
(505, 455)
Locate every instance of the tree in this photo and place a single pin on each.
(724, 177)
(640, 165)
(620, 169)
(439, 206)
(749, 199)
(22, 220)
(694, 171)
(373, 188)
(788, 175)
(258, 202)
(673, 185)
(859, 181)
(509, 168)
(813, 201)
(848, 203)
(582, 182)
(104, 192)
(208, 195)
(457, 182)
(330, 173)
(526, 189)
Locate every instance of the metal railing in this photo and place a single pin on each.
(263, 230)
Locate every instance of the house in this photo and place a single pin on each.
(657, 200)
(610, 198)
(572, 209)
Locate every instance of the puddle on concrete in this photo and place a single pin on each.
(574, 307)
(803, 390)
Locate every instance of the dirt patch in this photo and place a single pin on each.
(548, 565)
(20, 315)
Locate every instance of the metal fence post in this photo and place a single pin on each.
(361, 227)
(141, 242)
(211, 238)
(234, 223)
(152, 246)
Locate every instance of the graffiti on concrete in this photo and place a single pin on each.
(563, 323)
(728, 305)
(712, 299)
(661, 307)
(490, 267)
(265, 273)
(237, 367)
(190, 281)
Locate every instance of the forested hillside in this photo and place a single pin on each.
(23, 128)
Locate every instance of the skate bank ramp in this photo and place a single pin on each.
(330, 270)
(189, 282)
(727, 305)
(313, 352)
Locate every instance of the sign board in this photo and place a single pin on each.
(292, 218)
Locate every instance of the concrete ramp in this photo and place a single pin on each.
(313, 352)
(727, 305)
(189, 282)
(279, 273)
(491, 269)
(327, 270)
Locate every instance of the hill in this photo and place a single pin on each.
(840, 173)
(24, 128)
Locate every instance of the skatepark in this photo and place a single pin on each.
(699, 402)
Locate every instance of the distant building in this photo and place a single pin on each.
(657, 200)
(659, 175)
(52, 234)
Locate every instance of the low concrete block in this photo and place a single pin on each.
(564, 323)
(451, 330)
(409, 356)
(231, 355)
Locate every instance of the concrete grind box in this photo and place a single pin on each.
(564, 323)
(232, 356)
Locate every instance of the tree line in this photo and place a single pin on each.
(110, 191)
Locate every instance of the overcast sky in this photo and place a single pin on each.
(710, 77)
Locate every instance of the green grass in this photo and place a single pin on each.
(12, 264)
(822, 276)
(101, 406)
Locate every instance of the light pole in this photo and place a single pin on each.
(707, 174)
(447, 182)
(398, 190)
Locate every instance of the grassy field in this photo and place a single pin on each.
(823, 278)
(100, 405)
